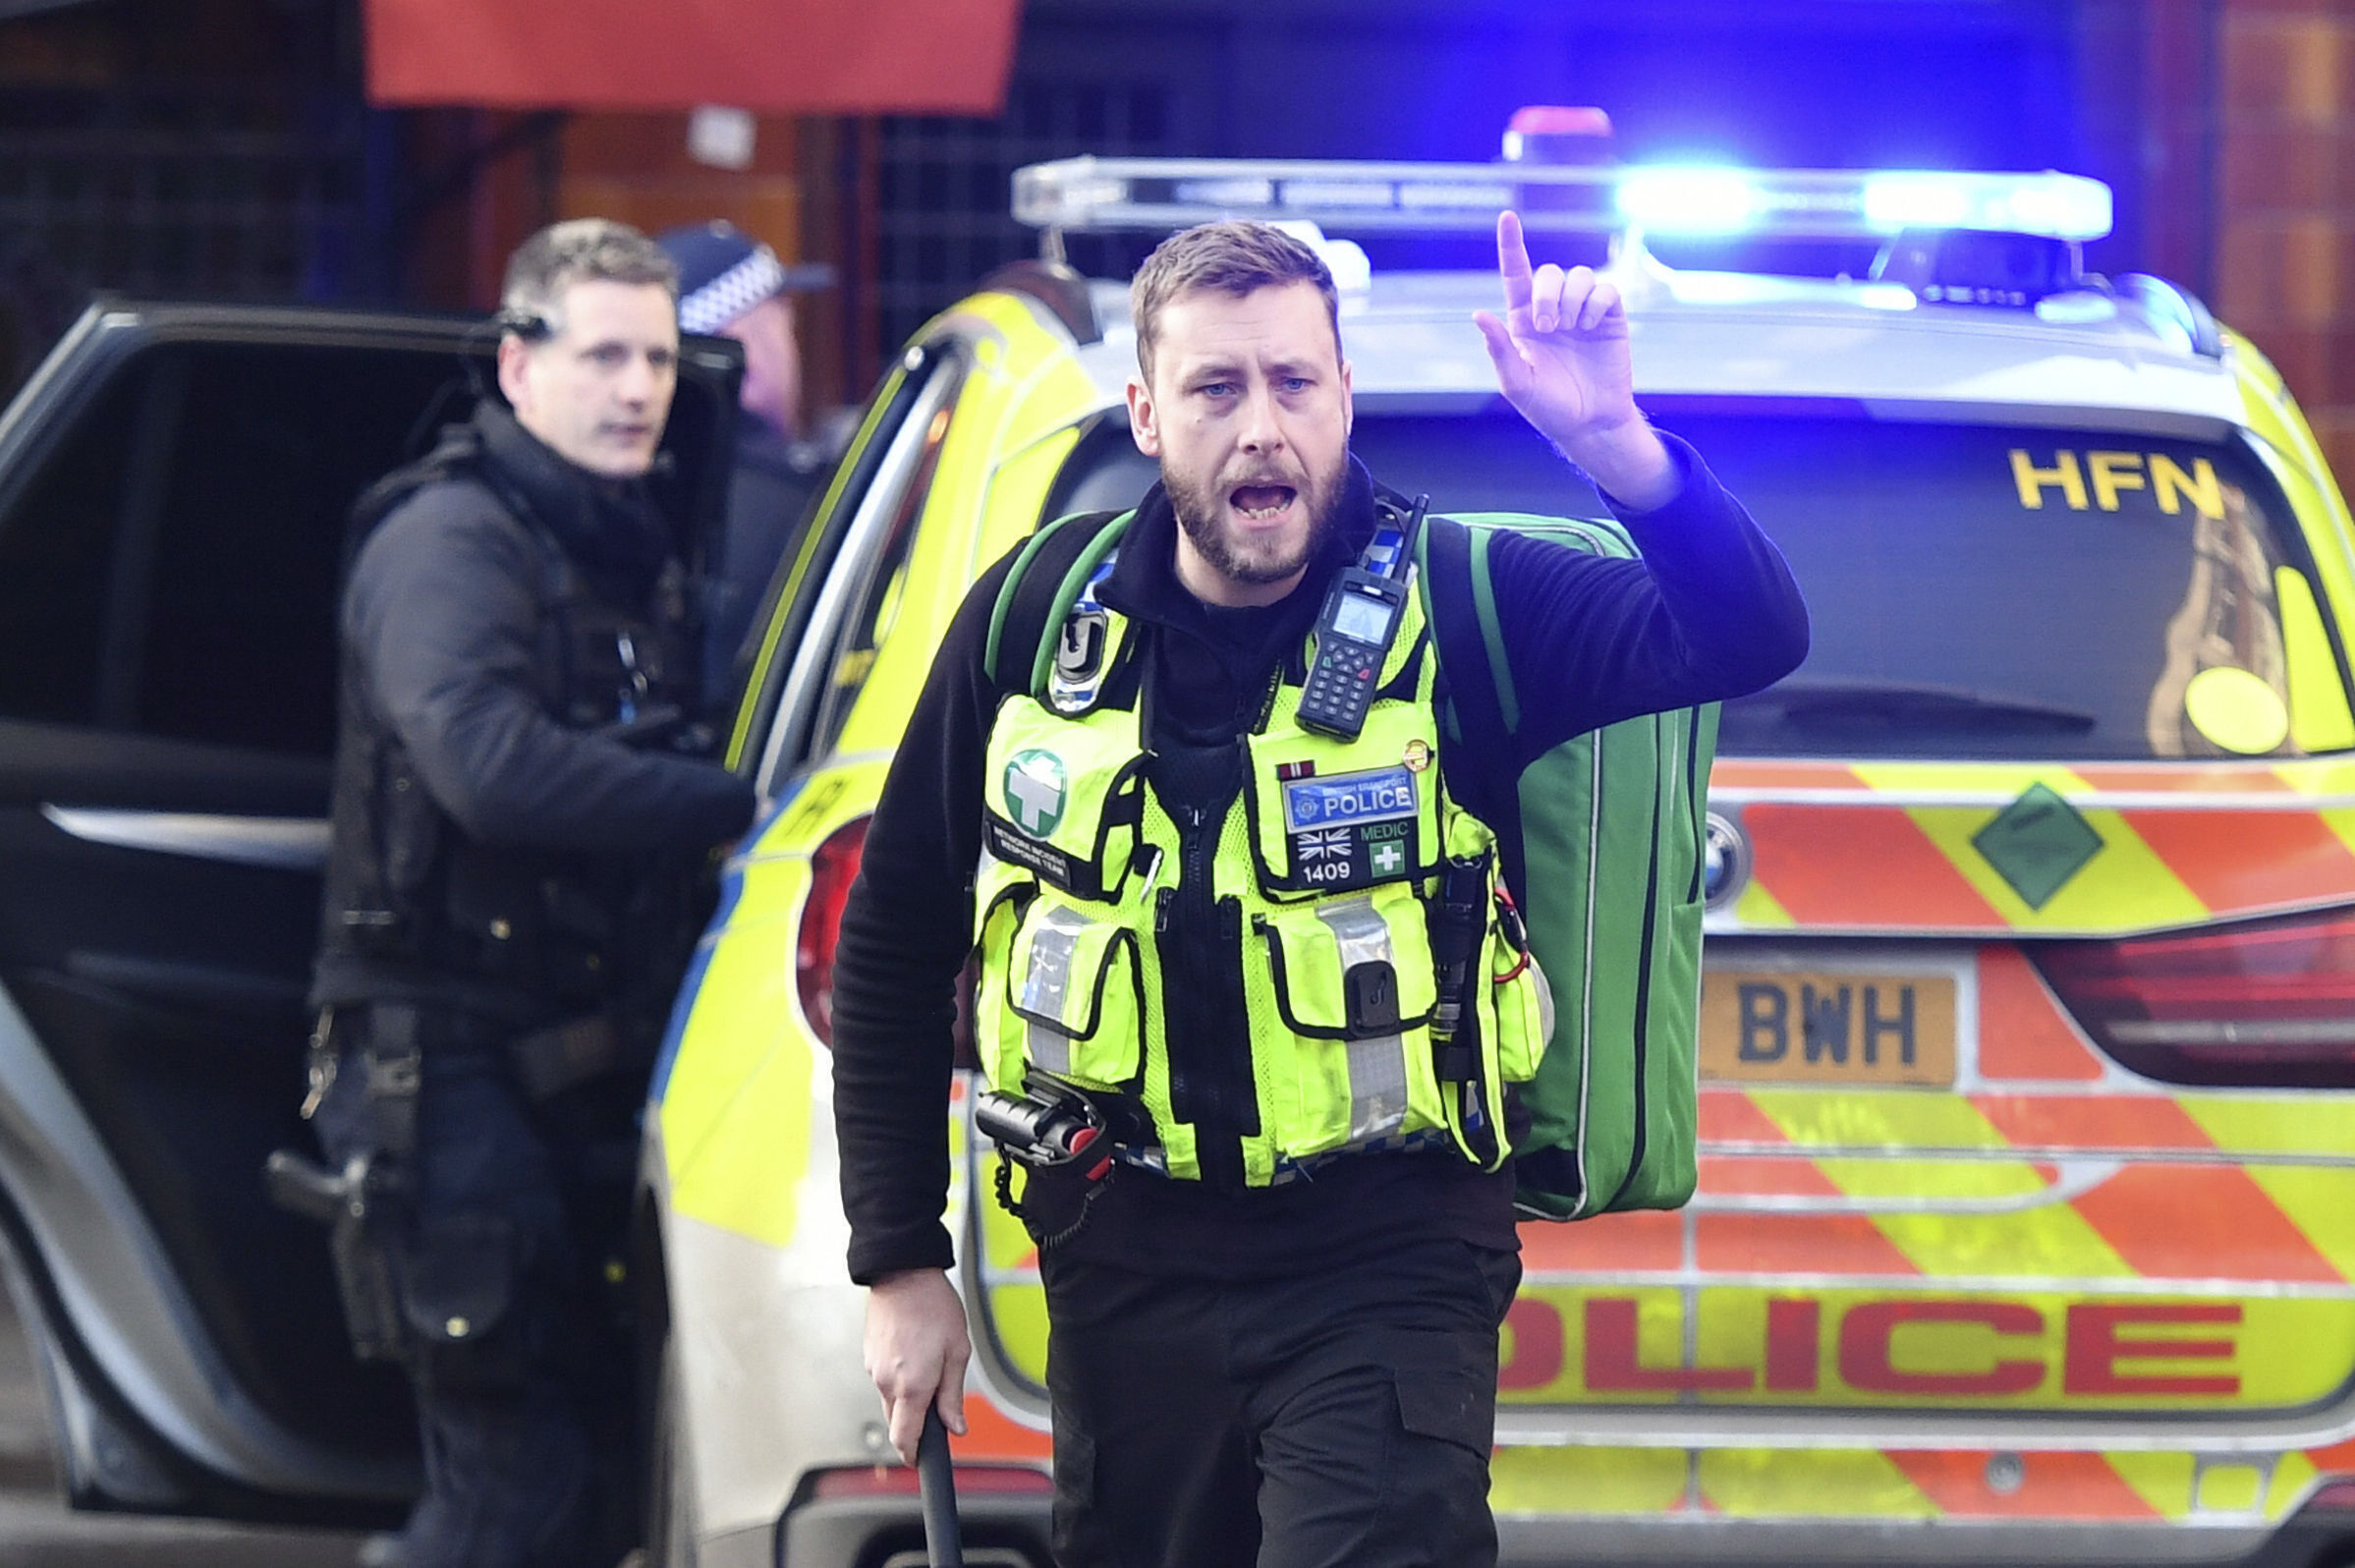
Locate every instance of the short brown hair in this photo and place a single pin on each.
(580, 251)
(1235, 258)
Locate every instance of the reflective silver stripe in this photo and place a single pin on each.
(1377, 1067)
(1585, 1001)
(281, 843)
(1289, 1169)
(1046, 986)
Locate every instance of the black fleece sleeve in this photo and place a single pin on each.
(906, 931)
(1709, 612)
(444, 618)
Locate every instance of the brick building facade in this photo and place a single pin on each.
(2285, 220)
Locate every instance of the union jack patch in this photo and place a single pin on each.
(1326, 843)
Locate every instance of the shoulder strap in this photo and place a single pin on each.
(1039, 588)
(459, 448)
(1459, 601)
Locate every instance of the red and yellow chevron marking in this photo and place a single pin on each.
(2051, 1236)
(1889, 847)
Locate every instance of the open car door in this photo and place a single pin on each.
(173, 490)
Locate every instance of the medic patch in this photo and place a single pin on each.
(1352, 829)
(1033, 788)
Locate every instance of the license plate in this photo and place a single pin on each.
(1854, 1030)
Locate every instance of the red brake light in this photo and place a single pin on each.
(2266, 1003)
(833, 868)
(2333, 1496)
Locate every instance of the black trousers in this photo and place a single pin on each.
(525, 1429)
(1341, 1418)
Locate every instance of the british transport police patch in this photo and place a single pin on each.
(1352, 829)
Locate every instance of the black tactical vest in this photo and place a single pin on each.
(415, 909)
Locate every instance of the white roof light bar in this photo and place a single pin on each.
(1099, 195)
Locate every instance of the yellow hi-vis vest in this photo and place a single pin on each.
(1331, 851)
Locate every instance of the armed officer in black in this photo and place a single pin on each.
(518, 835)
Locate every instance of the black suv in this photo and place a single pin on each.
(173, 488)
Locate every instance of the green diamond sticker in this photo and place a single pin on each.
(2038, 843)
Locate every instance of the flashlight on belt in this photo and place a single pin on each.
(1050, 1126)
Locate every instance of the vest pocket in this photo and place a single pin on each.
(1320, 824)
(1522, 1015)
(1062, 800)
(1345, 991)
(1070, 1000)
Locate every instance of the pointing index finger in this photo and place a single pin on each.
(1512, 261)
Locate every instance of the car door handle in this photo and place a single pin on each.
(277, 843)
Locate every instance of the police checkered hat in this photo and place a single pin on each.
(724, 272)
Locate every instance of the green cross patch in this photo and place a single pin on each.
(1034, 791)
(1389, 857)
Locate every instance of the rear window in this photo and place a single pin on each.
(1976, 591)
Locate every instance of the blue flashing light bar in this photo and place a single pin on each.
(1097, 194)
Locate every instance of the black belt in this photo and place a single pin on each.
(546, 1061)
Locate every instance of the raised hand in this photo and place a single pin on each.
(1562, 359)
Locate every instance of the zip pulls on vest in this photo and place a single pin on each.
(638, 689)
(1355, 629)
(1187, 928)
(1179, 927)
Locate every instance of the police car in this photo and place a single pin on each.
(2027, 1208)
(2027, 1211)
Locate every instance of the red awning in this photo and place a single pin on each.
(769, 56)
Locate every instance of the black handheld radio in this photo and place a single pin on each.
(1354, 630)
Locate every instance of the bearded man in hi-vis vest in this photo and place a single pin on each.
(1199, 866)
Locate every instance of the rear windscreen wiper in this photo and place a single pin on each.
(1835, 703)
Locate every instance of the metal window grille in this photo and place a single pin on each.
(943, 188)
(174, 195)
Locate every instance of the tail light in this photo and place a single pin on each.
(2333, 1496)
(2265, 1004)
(833, 868)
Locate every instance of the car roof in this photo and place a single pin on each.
(2082, 358)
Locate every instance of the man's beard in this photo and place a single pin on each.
(1202, 513)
